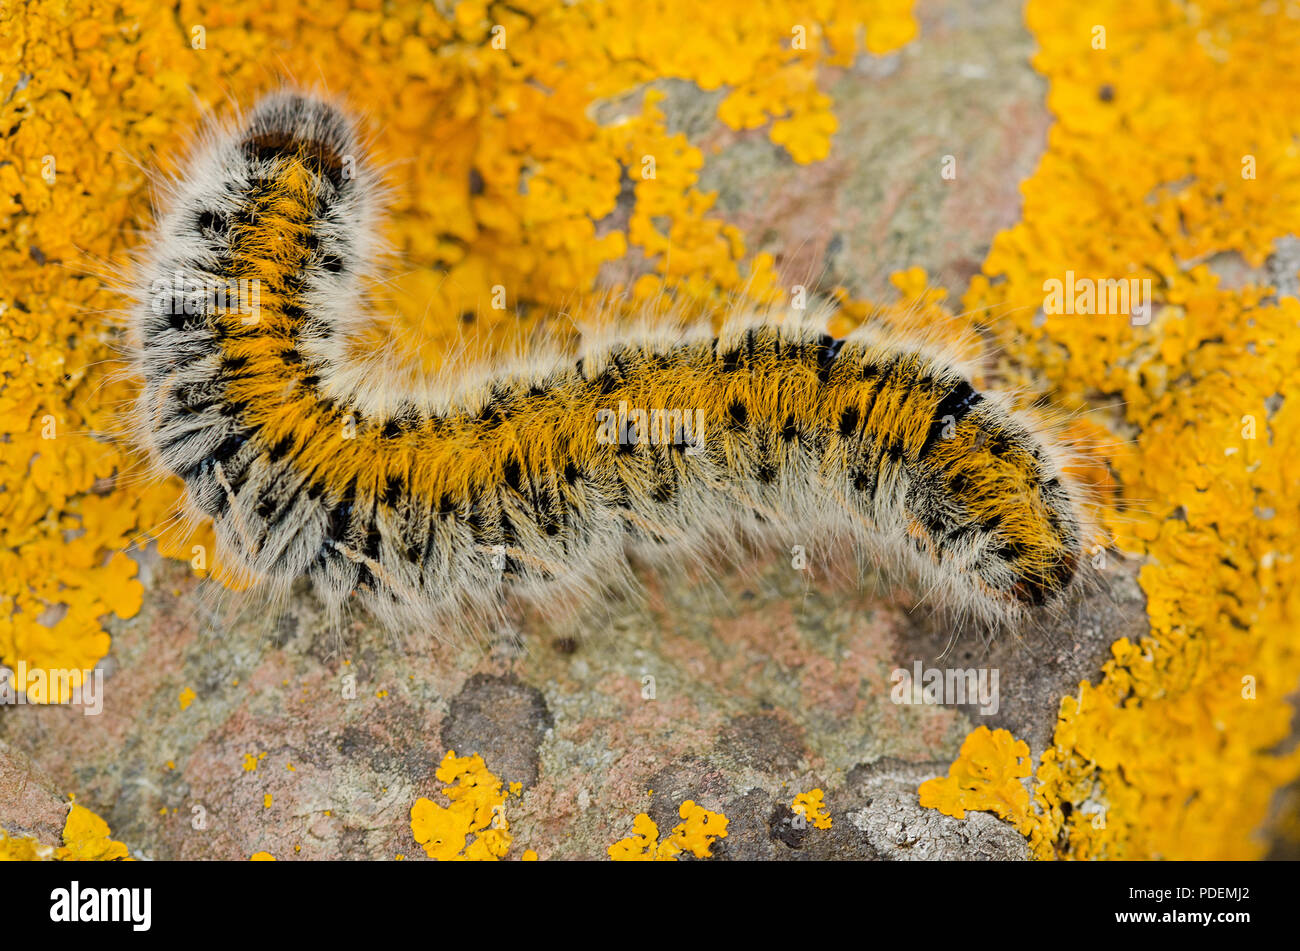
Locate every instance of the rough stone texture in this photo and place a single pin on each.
(503, 721)
(1036, 667)
(879, 204)
(892, 823)
(766, 681)
(29, 804)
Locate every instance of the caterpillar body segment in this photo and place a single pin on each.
(533, 482)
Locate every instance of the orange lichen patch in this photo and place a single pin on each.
(23, 849)
(477, 809)
(641, 846)
(699, 830)
(87, 838)
(261, 857)
(529, 155)
(696, 834)
(1172, 753)
(186, 697)
(812, 808)
(987, 777)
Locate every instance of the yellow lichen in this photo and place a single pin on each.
(810, 806)
(261, 857)
(23, 849)
(987, 776)
(87, 838)
(695, 834)
(1152, 171)
(477, 809)
(641, 845)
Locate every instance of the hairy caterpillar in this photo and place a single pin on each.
(452, 499)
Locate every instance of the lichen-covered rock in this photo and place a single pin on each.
(736, 688)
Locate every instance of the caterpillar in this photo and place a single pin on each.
(532, 482)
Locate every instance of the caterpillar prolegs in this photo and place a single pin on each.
(519, 485)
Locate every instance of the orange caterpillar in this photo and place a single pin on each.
(533, 481)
